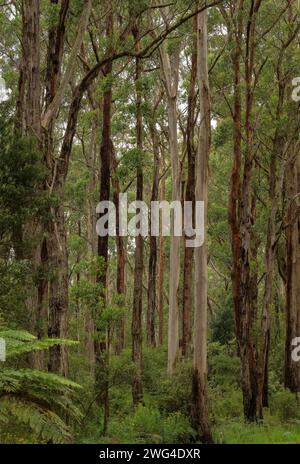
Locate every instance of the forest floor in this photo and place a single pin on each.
(239, 433)
(234, 433)
(164, 416)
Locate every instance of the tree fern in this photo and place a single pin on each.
(39, 400)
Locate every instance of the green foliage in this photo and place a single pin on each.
(21, 171)
(222, 323)
(285, 405)
(148, 425)
(224, 366)
(36, 399)
(175, 392)
(267, 433)
(15, 277)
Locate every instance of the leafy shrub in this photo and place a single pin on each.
(224, 366)
(174, 392)
(148, 425)
(225, 405)
(284, 405)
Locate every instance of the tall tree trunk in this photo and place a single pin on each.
(55, 239)
(31, 44)
(153, 245)
(102, 339)
(242, 213)
(246, 345)
(161, 268)
(187, 302)
(200, 387)
(91, 235)
(136, 327)
(121, 260)
(29, 122)
(58, 288)
(292, 368)
(275, 185)
(170, 75)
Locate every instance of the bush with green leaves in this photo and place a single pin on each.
(148, 425)
(285, 405)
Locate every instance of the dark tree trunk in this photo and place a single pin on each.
(292, 368)
(153, 246)
(242, 213)
(136, 327)
(189, 196)
(31, 48)
(102, 339)
(120, 338)
(55, 237)
(58, 288)
(161, 267)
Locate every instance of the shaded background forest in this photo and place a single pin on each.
(145, 340)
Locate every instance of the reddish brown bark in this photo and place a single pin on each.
(241, 214)
(187, 301)
(161, 262)
(136, 327)
(120, 336)
(292, 368)
(153, 245)
(106, 149)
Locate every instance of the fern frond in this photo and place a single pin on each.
(14, 347)
(32, 397)
(44, 423)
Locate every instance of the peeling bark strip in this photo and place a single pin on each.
(200, 387)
